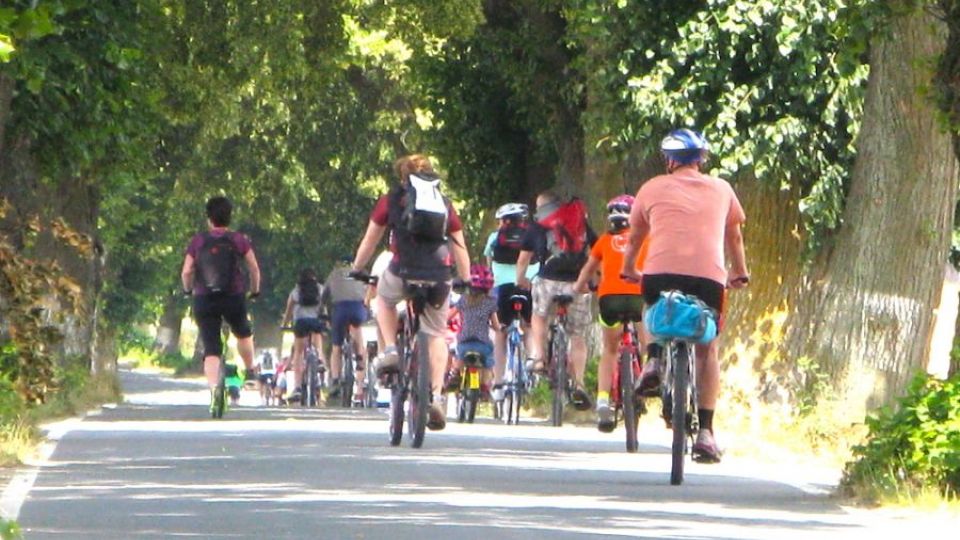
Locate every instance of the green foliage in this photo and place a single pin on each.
(912, 447)
(10, 529)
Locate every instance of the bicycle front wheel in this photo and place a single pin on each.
(630, 416)
(681, 383)
(420, 396)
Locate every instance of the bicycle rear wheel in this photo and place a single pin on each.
(346, 374)
(630, 416)
(220, 392)
(420, 396)
(559, 349)
(681, 382)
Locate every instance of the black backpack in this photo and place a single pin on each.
(506, 247)
(218, 262)
(309, 293)
(425, 211)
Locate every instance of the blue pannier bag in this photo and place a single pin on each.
(679, 316)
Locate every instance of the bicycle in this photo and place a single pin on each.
(678, 373)
(468, 395)
(622, 390)
(516, 383)
(558, 349)
(368, 389)
(312, 385)
(267, 380)
(349, 359)
(410, 385)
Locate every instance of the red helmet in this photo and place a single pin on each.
(481, 277)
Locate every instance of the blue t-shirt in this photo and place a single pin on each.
(504, 274)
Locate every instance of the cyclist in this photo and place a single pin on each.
(219, 293)
(347, 312)
(303, 307)
(618, 297)
(478, 312)
(559, 239)
(690, 218)
(502, 251)
(267, 372)
(233, 383)
(415, 258)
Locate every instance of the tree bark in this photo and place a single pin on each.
(167, 340)
(869, 320)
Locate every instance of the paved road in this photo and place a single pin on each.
(156, 467)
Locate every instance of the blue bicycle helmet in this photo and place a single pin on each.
(684, 146)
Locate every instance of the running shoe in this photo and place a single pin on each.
(437, 417)
(705, 449)
(605, 418)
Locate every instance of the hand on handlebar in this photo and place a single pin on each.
(631, 275)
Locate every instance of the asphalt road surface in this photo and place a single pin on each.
(157, 467)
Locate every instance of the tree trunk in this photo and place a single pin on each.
(869, 320)
(168, 331)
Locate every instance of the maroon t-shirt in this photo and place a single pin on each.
(381, 216)
(242, 244)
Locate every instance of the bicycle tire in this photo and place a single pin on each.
(471, 405)
(310, 387)
(420, 396)
(681, 382)
(630, 417)
(398, 393)
(559, 349)
(346, 374)
(220, 392)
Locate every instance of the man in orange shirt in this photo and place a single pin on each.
(618, 297)
(691, 218)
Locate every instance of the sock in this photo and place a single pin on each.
(706, 419)
(603, 397)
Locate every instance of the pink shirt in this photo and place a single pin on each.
(687, 213)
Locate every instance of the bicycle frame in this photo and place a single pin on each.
(515, 386)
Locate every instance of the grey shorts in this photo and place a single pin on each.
(433, 321)
(578, 314)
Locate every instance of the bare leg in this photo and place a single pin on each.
(538, 337)
(387, 321)
(211, 368)
(708, 375)
(336, 363)
(608, 360)
(438, 351)
(245, 348)
(296, 362)
(578, 357)
(499, 355)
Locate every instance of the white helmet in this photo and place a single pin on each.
(512, 209)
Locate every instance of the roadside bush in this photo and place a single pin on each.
(911, 448)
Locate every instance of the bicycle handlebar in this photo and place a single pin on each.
(365, 277)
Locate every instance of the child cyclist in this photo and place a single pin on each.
(478, 312)
(617, 297)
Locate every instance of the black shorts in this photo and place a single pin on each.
(211, 310)
(304, 327)
(617, 308)
(505, 302)
(711, 292)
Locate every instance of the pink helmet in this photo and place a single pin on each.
(620, 204)
(481, 277)
(618, 212)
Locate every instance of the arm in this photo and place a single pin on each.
(369, 243)
(733, 238)
(254, 269)
(186, 274)
(587, 273)
(460, 255)
(523, 262)
(288, 313)
(638, 232)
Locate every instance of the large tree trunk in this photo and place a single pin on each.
(869, 321)
(167, 340)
